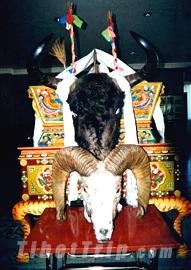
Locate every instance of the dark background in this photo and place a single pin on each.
(23, 23)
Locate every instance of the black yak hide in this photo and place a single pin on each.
(96, 102)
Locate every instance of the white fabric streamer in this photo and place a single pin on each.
(63, 90)
(38, 128)
(159, 121)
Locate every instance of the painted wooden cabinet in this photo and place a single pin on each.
(36, 169)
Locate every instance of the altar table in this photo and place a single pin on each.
(75, 237)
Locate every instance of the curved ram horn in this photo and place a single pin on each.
(132, 157)
(67, 160)
(36, 76)
(151, 63)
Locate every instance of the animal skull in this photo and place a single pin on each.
(102, 183)
(101, 195)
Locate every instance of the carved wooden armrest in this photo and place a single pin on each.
(183, 206)
(20, 213)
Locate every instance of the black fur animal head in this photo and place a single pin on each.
(96, 102)
(95, 99)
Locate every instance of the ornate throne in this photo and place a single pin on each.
(36, 162)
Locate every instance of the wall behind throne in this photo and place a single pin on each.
(17, 122)
(16, 129)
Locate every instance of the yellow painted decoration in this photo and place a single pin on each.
(162, 176)
(144, 97)
(25, 197)
(23, 162)
(39, 179)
